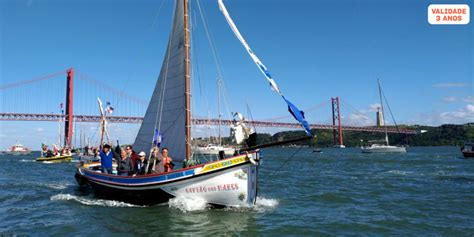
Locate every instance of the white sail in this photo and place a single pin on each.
(167, 110)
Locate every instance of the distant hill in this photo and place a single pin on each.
(444, 135)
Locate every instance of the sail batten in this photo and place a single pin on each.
(169, 106)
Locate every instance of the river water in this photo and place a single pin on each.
(428, 191)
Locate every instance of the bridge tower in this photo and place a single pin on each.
(336, 123)
(69, 117)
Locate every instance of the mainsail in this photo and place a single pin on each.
(169, 109)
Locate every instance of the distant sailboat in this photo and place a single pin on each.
(382, 148)
(210, 148)
(167, 122)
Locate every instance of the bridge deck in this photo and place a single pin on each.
(123, 119)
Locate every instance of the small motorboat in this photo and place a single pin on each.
(18, 149)
(468, 150)
(317, 150)
(63, 158)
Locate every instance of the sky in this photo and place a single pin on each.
(314, 50)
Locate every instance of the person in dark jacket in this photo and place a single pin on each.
(132, 154)
(124, 164)
(141, 164)
(106, 157)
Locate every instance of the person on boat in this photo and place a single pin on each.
(66, 152)
(141, 164)
(156, 162)
(124, 164)
(167, 160)
(132, 154)
(106, 157)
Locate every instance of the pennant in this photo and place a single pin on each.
(297, 114)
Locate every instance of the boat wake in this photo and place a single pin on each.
(57, 186)
(399, 172)
(91, 202)
(265, 204)
(24, 160)
(188, 204)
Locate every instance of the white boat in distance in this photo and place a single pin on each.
(383, 148)
(212, 149)
(18, 149)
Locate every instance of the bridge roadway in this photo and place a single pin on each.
(123, 119)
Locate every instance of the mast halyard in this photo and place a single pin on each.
(187, 78)
(383, 113)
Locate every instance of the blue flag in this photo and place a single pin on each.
(298, 115)
(157, 138)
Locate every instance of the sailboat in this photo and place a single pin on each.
(382, 148)
(58, 154)
(210, 148)
(231, 181)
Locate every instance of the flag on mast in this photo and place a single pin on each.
(297, 114)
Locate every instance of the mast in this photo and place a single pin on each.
(219, 108)
(59, 132)
(187, 79)
(383, 113)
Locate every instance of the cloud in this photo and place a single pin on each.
(468, 99)
(374, 107)
(357, 119)
(462, 115)
(362, 117)
(450, 85)
(449, 99)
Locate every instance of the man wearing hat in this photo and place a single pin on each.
(106, 157)
(141, 164)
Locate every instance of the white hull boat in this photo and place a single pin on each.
(17, 150)
(230, 182)
(213, 150)
(375, 148)
(227, 182)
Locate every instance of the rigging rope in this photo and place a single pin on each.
(355, 111)
(286, 161)
(389, 109)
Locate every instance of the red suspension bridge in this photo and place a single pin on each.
(24, 94)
